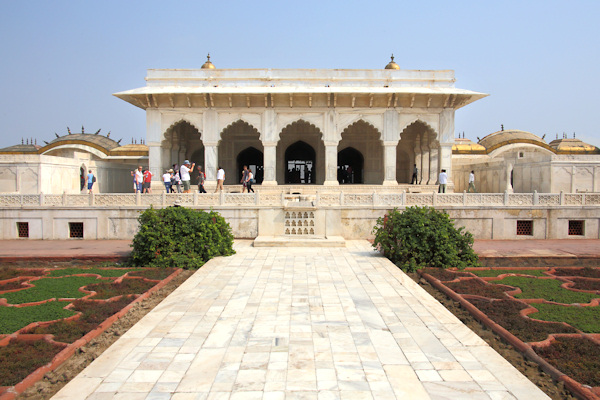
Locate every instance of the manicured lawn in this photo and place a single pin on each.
(586, 319)
(50, 288)
(497, 272)
(548, 289)
(14, 318)
(106, 273)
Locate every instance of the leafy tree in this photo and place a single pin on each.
(423, 238)
(180, 237)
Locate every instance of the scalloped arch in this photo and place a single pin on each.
(301, 120)
(375, 121)
(361, 120)
(180, 121)
(238, 121)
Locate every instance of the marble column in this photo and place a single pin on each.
(331, 164)
(418, 157)
(154, 140)
(211, 159)
(445, 161)
(424, 164)
(270, 164)
(389, 162)
(434, 168)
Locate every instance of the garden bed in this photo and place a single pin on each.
(539, 311)
(54, 311)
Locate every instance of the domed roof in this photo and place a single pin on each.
(208, 64)
(93, 138)
(392, 64)
(501, 138)
(21, 148)
(466, 146)
(133, 149)
(573, 146)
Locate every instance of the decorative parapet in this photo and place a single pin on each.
(322, 200)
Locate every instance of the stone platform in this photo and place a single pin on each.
(300, 323)
(294, 241)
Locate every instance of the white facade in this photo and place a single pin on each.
(303, 126)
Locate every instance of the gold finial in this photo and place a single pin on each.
(208, 64)
(392, 64)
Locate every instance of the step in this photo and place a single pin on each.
(304, 241)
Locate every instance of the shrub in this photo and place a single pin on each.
(423, 238)
(180, 237)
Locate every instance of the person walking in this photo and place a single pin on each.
(415, 175)
(443, 180)
(250, 181)
(177, 181)
(201, 179)
(167, 180)
(244, 180)
(472, 182)
(90, 181)
(220, 179)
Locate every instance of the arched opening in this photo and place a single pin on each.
(253, 158)
(181, 141)
(364, 136)
(350, 166)
(300, 163)
(418, 145)
(236, 139)
(309, 152)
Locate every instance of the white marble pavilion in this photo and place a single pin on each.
(303, 126)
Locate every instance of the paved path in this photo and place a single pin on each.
(300, 323)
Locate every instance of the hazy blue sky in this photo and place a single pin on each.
(62, 60)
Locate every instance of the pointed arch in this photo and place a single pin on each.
(373, 120)
(234, 139)
(170, 121)
(364, 136)
(300, 162)
(432, 121)
(225, 121)
(350, 165)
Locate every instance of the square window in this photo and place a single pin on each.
(76, 229)
(525, 228)
(23, 229)
(576, 228)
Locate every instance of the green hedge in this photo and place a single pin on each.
(422, 238)
(180, 237)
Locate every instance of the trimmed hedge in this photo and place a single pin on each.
(180, 237)
(422, 237)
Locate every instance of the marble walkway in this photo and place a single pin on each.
(300, 323)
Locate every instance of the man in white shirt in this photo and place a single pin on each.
(138, 179)
(443, 179)
(220, 179)
(184, 174)
(472, 182)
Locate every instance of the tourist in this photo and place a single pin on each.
(90, 181)
(443, 181)
(177, 178)
(472, 182)
(201, 179)
(220, 179)
(167, 176)
(138, 179)
(250, 181)
(244, 179)
(184, 175)
(415, 175)
(147, 181)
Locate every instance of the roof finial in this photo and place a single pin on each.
(82, 130)
(22, 141)
(108, 134)
(208, 64)
(68, 130)
(502, 127)
(573, 135)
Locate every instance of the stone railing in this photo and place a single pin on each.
(320, 199)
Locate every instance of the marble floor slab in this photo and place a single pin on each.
(300, 323)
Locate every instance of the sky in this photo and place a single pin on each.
(61, 61)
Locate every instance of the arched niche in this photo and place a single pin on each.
(362, 135)
(413, 139)
(350, 166)
(310, 135)
(253, 158)
(236, 138)
(300, 162)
